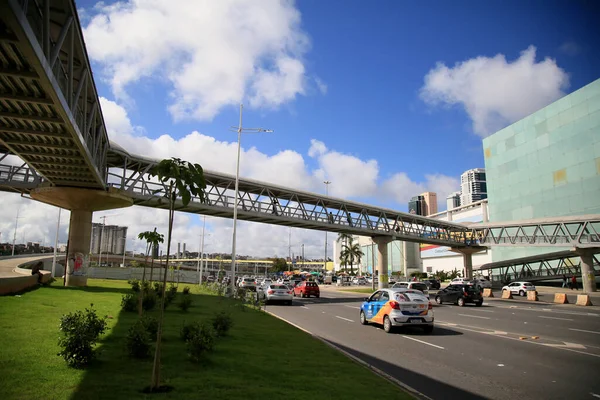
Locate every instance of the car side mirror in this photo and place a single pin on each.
(367, 299)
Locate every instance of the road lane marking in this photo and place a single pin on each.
(421, 341)
(474, 316)
(497, 333)
(305, 308)
(595, 395)
(562, 319)
(479, 310)
(345, 319)
(583, 330)
(567, 345)
(356, 307)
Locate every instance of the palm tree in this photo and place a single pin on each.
(344, 258)
(180, 181)
(344, 238)
(152, 240)
(351, 252)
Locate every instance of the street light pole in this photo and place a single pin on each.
(200, 265)
(56, 244)
(124, 239)
(239, 131)
(327, 183)
(15, 234)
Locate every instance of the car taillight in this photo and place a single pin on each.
(270, 291)
(430, 306)
(290, 292)
(395, 305)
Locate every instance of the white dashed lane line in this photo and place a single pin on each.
(562, 319)
(345, 319)
(583, 330)
(422, 341)
(474, 316)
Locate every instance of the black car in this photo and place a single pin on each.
(459, 294)
(432, 283)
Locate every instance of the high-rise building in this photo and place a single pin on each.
(416, 205)
(473, 186)
(453, 200)
(110, 237)
(430, 203)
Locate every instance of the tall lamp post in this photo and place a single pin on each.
(239, 131)
(327, 183)
(15, 234)
(201, 253)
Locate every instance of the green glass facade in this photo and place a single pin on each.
(546, 165)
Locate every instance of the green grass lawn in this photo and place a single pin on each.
(262, 357)
(362, 290)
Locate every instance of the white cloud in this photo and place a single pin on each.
(496, 92)
(351, 177)
(211, 53)
(322, 86)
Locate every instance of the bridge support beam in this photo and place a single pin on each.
(588, 278)
(82, 203)
(467, 253)
(382, 260)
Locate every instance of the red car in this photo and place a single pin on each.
(307, 289)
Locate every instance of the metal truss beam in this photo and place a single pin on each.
(578, 231)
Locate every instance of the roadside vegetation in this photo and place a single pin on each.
(218, 348)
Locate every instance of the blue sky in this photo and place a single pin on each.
(384, 98)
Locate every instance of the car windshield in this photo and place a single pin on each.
(279, 287)
(248, 280)
(419, 286)
(469, 289)
(311, 284)
(410, 296)
(527, 284)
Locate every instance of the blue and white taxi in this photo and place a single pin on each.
(394, 307)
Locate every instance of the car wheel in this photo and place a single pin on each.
(521, 293)
(460, 302)
(438, 299)
(302, 294)
(289, 302)
(479, 303)
(387, 324)
(428, 329)
(363, 318)
(317, 296)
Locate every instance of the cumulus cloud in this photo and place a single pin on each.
(210, 53)
(495, 92)
(351, 177)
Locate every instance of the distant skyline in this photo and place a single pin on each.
(385, 99)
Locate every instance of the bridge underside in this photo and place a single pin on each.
(49, 111)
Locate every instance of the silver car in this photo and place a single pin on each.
(276, 292)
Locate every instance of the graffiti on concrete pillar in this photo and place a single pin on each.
(77, 264)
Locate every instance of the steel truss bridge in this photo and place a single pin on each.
(50, 118)
(550, 266)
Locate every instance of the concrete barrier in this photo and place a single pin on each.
(583, 300)
(488, 292)
(18, 283)
(561, 298)
(506, 294)
(532, 295)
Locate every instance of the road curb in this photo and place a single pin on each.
(410, 390)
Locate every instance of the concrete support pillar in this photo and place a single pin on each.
(82, 203)
(80, 236)
(467, 253)
(588, 279)
(382, 260)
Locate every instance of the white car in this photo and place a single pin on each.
(248, 283)
(460, 281)
(277, 292)
(484, 283)
(397, 307)
(520, 288)
(420, 286)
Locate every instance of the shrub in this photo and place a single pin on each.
(188, 330)
(135, 285)
(185, 303)
(80, 331)
(146, 286)
(150, 325)
(149, 300)
(186, 290)
(170, 294)
(201, 341)
(129, 302)
(158, 288)
(221, 323)
(138, 341)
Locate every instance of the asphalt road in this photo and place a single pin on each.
(501, 350)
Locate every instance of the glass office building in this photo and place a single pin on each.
(546, 165)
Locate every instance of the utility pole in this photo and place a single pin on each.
(101, 234)
(373, 265)
(327, 183)
(56, 244)
(302, 256)
(15, 234)
(200, 265)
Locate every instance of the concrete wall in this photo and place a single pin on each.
(136, 273)
(546, 165)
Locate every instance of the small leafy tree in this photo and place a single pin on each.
(80, 331)
(180, 180)
(152, 240)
